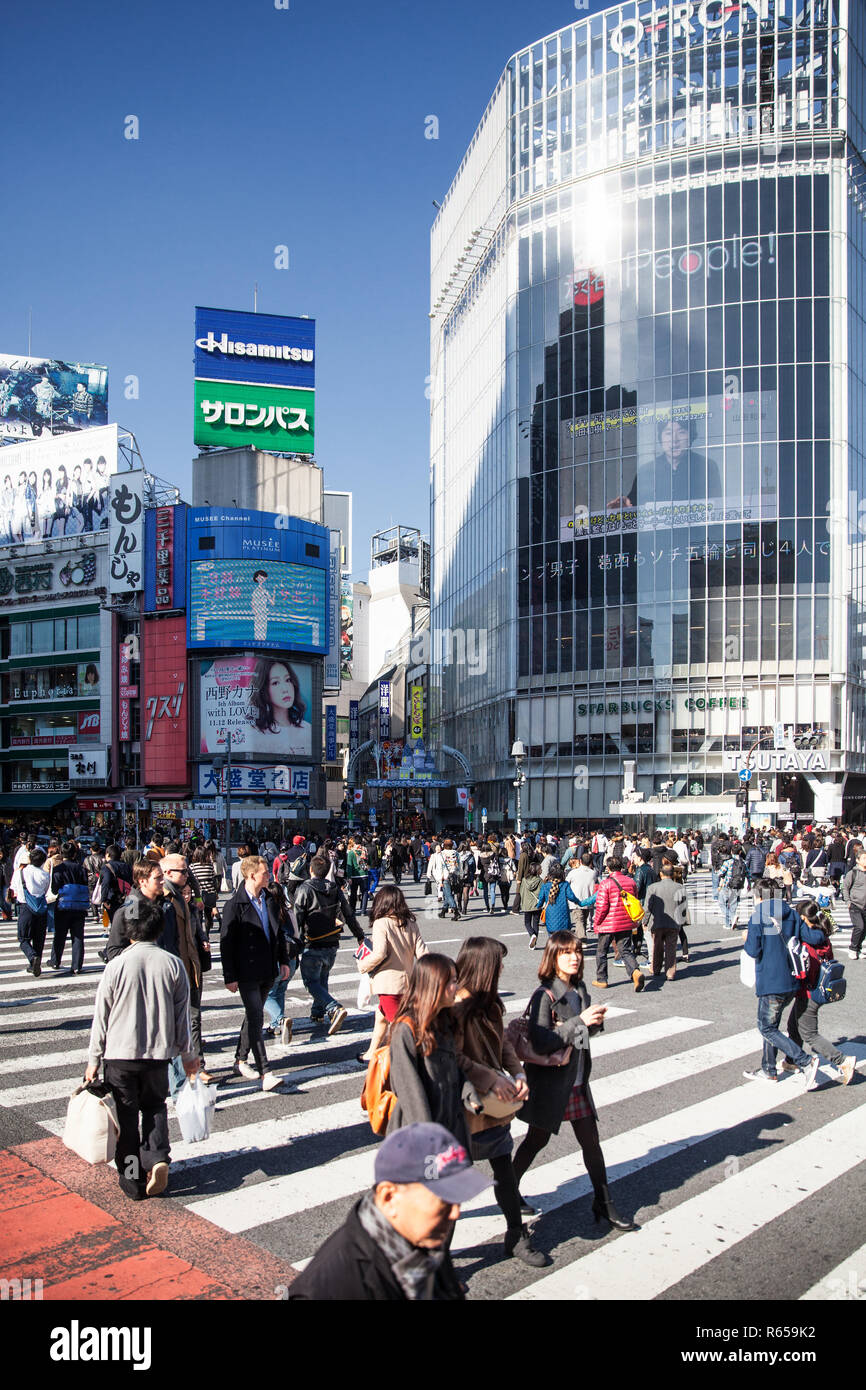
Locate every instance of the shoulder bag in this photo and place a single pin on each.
(517, 1034)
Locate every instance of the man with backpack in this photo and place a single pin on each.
(316, 906)
(732, 877)
(775, 923)
(756, 859)
(69, 882)
(294, 868)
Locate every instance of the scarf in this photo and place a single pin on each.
(414, 1269)
(186, 938)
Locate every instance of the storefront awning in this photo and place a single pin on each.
(33, 801)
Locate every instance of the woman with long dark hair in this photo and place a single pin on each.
(276, 710)
(397, 944)
(496, 1080)
(559, 1013)
(425, 1076)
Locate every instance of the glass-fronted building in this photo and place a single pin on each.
(647, 424)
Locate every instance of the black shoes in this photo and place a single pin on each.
(603, 1207)
(519, 1245)
(526, 1209)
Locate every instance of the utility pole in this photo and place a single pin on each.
(228, 853)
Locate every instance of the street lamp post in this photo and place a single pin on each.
(518, 753)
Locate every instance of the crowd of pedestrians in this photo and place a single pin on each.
(456, 1076)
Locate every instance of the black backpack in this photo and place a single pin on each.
(738, 873)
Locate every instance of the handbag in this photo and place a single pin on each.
(488, 1103)
(92, 1126)
(50, 896)
(517, 1034)
(367, 997)
(428, 887)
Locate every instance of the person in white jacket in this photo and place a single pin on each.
(441, 866)
(30, 884)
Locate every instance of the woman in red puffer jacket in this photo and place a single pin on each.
(613, 924)
(803, 1018)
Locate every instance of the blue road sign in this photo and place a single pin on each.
(745, 774)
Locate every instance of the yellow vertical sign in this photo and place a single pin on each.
(417, 713)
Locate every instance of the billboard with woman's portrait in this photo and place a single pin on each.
(263, 701)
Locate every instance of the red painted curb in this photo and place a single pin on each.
(69, 1224)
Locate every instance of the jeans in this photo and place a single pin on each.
(715, 874)
(606, 940)
(489, 891)
(770, 1010)
(416, 870)
(317, 962)
(139, 1090)
(32, 927)
(448, 896)
(531, 922)
(370, 887)
(276, 1001)
(73, 924)
(729, 901)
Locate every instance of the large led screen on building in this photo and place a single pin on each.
(264, 702)
(257, 579)
(39, 395)
(56, 487)
(246, 603)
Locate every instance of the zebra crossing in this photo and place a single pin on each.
(711, 1165)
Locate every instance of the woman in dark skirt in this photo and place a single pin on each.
(560, 1012)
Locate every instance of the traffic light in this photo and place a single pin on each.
(743, 798)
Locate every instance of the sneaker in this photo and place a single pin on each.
(533, 940)
(317, 1018)
(852, 955)
(37, 969)
(272, 1081)
(845, 1072)
(759, 1075)
(338, 1018)
(638, 981)
(286, 1032)
(789, 1066)
(599, 984)
(244, 1069)
(811, 1074)
(157, 1180)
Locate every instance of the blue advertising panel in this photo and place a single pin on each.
(353, 727)
(330, 733)
(262, 349)
(384, 710)
(256, 579)
(165, 558)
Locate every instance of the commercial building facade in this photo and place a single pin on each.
(646, 433)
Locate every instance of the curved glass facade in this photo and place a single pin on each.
(646, 477)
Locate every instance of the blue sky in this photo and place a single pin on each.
(258, 127)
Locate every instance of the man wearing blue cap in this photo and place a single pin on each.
(394, 1242)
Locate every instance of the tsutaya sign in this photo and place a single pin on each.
(683, 19)
(778, 760)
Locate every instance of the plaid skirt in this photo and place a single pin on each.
(580, 1105)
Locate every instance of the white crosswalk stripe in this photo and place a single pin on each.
(316, 1150)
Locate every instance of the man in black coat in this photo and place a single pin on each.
(253, 951)
(70, 909)
(394, 1243)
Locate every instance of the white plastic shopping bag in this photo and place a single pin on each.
(194, 1106)
(366, 998)
(91, 1127)
(747, 970)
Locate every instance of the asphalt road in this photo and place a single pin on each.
(740, 1190)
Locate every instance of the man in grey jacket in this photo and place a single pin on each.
(666, 912)
(140, 1022)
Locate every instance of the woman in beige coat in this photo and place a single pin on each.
(397, 944)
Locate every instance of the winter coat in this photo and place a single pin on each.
(428, 1089)
(530, 887)
(556, 916)
(249, 954)
(352, 1267)
(395, 950)
(552, 1024)
(483, 1053)
(771, 927)
(610, 913)
(666, 906)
